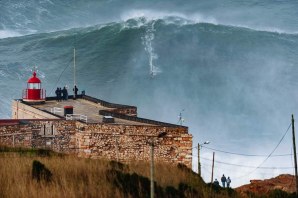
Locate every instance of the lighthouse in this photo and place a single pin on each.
(34, 93)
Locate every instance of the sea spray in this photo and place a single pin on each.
(147, 42)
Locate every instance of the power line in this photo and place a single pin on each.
(259, 166)
(61, 75)
(242, 154)
(276, 146)
(245, 166)
(255, 167)
(241, 165)
(232, 169)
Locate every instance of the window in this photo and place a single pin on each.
(48, 129)
(34, 85)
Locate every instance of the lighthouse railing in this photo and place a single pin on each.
(56, 110)
(41, 96)
(76, 117)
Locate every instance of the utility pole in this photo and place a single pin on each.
(212, 168)
(199, 163)
(295, 157)
(152, 170)
(151, 142)
(211, 192)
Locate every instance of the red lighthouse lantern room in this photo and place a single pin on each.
(34, 93)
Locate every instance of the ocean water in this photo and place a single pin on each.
(230, 67)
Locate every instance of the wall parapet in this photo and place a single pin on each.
(137, 119)
(105, 103)
(117, 108)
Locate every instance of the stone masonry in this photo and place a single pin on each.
(115, 142)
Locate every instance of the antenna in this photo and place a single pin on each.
(181, 119)
(74, 71)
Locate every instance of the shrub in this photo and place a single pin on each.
(40, 172)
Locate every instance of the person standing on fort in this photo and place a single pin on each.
(66, 92)
(223, 181)
(75, 89)
(56, 92)
(63, 93)
(59, 94)
(228, 182)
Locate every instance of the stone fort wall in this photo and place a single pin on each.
(115, 142)
(58, 135)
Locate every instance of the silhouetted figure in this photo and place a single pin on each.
(223, 181)
(64, 93)
(216, 183)
(59, 94)
(56, 92)
(75, 89)
(228, 182)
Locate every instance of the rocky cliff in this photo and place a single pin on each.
(284, 182)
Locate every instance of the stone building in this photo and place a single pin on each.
(90, 127)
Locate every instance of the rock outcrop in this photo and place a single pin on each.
(284, 182)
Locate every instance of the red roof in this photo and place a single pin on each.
(68, 107)
(34, 79)
(7, 122)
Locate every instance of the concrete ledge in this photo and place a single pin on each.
(138, 119)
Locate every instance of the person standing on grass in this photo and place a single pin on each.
(223, 181)
(216, 183)
(228, 182)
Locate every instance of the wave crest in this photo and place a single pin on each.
(167, 16)
(187, 19)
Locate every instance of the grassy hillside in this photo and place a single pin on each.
(71, 176)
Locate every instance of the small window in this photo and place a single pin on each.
(48, 129)
(34, 85)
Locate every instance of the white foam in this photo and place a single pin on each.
(167, 16)
(147, 41)
(8, 33)
(3, 73)
(184, 19)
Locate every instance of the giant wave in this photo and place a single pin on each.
(117, 51)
